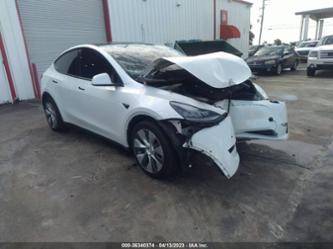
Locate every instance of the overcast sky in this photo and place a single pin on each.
(281, 21)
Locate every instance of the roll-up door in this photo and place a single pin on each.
(52, 26)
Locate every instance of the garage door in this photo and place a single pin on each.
(52, 26)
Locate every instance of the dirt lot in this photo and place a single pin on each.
(75, 186)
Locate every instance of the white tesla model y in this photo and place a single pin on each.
(162, 105)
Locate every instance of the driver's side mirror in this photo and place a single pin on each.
(102, 79)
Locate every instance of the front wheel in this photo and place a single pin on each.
(311, 72)
(153, 150)
(278, 69)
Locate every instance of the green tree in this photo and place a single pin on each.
(277, 42)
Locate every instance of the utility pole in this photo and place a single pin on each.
(262, 19)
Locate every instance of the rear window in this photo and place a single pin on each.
(69, 63)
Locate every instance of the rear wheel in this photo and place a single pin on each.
(52, 114)
(153, 150)
(311, 72)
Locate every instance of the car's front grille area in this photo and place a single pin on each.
(256, 63)
(326, 54)
(264, 133)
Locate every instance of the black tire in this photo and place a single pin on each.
(53, 116)
(294, 67)
(157, 158)
(278, 69)
(310, 72)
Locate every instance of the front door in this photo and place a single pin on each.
(100, 106)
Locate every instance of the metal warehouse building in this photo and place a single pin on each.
(34, 32)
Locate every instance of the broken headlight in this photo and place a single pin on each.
(195, 114)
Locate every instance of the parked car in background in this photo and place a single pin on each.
(304, 48)
(253, 49)
(321, 57)
(273, 59)
(162, 105)
(326, 40)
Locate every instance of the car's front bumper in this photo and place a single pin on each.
(320, 64)
(219, 144)
(262, 67)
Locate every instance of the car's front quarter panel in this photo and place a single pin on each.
(154, 103)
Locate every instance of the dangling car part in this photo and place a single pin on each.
(161, 104)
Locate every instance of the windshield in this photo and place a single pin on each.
(135, 59)
(269, 51)
(308, 44)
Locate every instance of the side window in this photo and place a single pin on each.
(93, 63)
(69, 63)
(288, 51)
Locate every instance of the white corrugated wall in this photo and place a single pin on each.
(239, 16)
(164, 21)
(15, 50)
(161, 21)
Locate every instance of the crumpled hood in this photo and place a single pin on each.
(218, 70)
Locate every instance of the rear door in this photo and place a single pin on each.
(66, 83)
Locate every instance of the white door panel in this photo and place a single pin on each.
(67, 95)
(101, 110)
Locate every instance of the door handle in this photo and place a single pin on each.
(82, 89)
(55, 82)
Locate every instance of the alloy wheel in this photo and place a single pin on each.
(51, 115)
(148, 151)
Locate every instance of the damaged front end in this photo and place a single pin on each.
(220, 82)
(202, 134)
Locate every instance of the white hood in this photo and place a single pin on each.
(218, 70)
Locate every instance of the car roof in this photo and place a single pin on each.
(123, 43)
